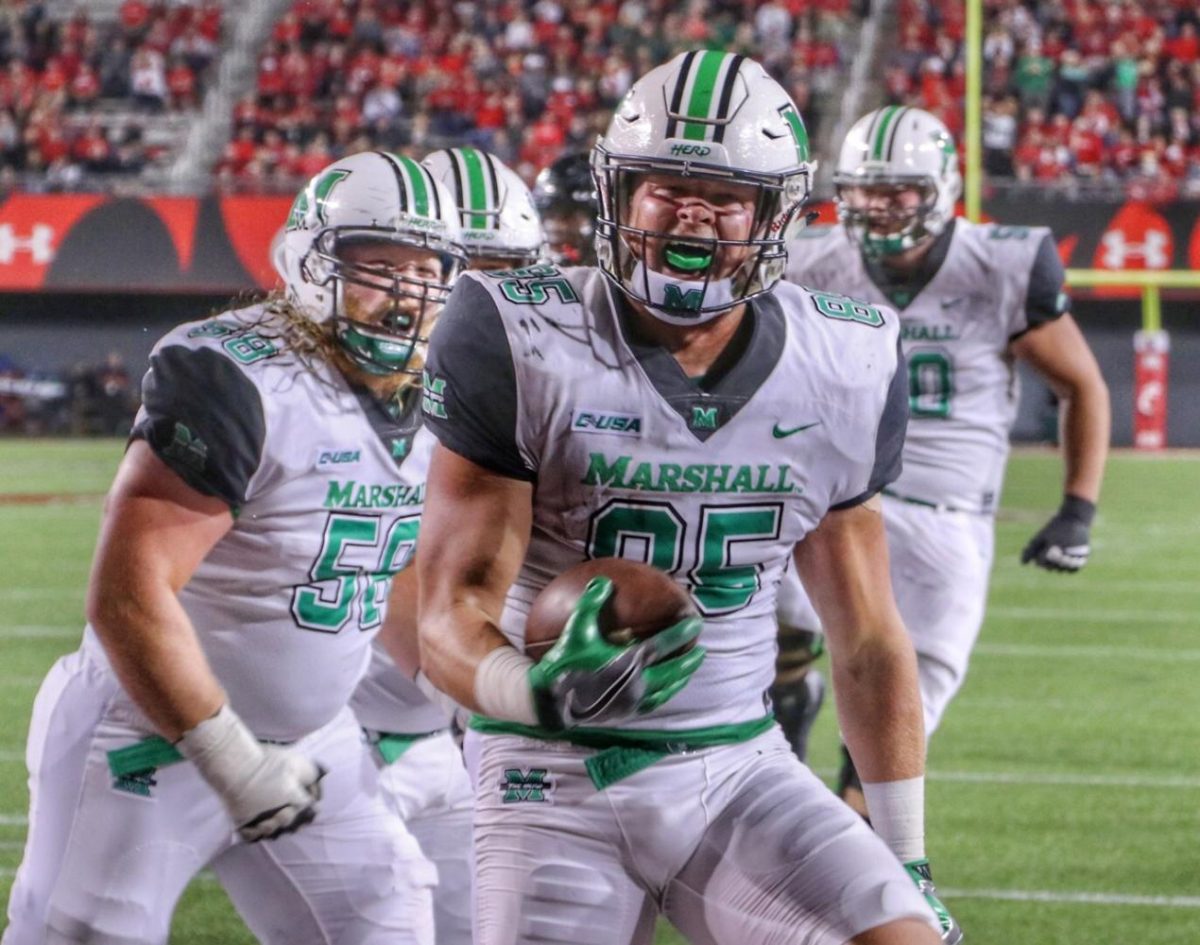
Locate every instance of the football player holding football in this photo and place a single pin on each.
(681, 406)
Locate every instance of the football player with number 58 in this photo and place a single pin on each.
(271, 490)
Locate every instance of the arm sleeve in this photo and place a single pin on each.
(1045, 299)
(889, 437)
(204, 418)
(470, 396)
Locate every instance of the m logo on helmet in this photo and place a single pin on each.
(799, 133)
(675, 298)
(949, 152)
(322, 187)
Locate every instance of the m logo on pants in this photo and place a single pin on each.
(530, 786)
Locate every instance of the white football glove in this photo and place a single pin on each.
(268, 789)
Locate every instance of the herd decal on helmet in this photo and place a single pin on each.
(898, 147)
(710, 116)
(364, 198)
(497, 215)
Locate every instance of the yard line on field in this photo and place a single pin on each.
(1052, 779)
(40, 593)
(1082, 898)
(12, 844)
(11, 755)
(20, 680)
(1053, 651)
(1094, 615)
(13, 820)
(1184, 585)
(41, 631)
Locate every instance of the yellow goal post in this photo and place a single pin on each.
(1150, 281)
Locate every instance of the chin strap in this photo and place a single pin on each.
(679, 301)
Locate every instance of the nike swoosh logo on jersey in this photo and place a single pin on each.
(950, 303)
(779, 433)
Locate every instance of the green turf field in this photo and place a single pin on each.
(1063, 785)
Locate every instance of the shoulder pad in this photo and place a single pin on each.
(539, 285)
(244, 336)
(843, 308)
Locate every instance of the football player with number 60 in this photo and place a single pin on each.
(973, 298)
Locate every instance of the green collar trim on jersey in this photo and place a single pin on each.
(902, 288)
(625, 752)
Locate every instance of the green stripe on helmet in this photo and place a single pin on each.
(895, 131)
(416, 181)
(881, 135)
(704, 87)
(477, 194)
(798, 132)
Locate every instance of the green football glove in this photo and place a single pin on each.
(920, 873)
(585, 680)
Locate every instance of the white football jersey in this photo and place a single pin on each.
(987, 284)
(533, 374)
(327, 490)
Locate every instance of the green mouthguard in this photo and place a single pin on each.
(689, 259)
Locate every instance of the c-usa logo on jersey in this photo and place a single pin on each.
(592, 420)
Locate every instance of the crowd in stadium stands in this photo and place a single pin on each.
(1075, 90)
(74, 92)
(525, 80)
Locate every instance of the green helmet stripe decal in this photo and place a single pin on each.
(896, 130)
(881, 134)
(476, 190)
(798, 132)
(727, 86)
(418, 188)
(704, 85)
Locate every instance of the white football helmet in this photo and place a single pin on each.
(898, 147)
(371, 196)
(496, 212)
(710, 115)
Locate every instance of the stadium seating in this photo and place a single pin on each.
(98, 88)
(526, 80)
(1081, 92)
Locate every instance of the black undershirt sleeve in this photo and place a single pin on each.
(1045, 299)
(470, 387)
(204, 418)
(889, 437)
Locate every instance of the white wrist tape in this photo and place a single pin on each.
(897, 811)
(223, 750)
(502, 688)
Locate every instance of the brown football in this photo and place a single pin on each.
(644, 601)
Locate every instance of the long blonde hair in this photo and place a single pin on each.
(316, 342)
